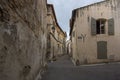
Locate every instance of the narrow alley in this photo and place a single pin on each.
(59, 40)
(63, 69)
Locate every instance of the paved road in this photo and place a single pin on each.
(63, 69)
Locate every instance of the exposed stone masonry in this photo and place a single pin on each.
(22, 39)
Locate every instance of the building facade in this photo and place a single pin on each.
(56, 36)
(94, 32)
(68, 46)
(23, 38)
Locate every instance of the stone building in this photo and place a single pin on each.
(94, 32)
(56, 36)
(23, 38)
(68, 46)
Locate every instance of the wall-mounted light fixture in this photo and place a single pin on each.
(53, 29)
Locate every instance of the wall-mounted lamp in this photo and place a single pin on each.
(53, 29)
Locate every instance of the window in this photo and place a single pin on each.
(58, 46)
(100, 26)
(73, 33)
(88, 18)
(77, 14)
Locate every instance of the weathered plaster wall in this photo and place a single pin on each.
(116, 15)
(86, 50)
(57, 37)
(87, 45)
(22, 39)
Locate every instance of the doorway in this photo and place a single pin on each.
(102, 50)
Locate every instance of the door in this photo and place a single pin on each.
(102, 50)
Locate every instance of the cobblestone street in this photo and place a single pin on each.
(63, 69)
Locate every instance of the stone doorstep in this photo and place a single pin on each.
(73, 61)
(97, 64)
(41, 73)
(39, 77)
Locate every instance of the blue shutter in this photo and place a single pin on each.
(93, 26)
(102, 50)
(111, 26)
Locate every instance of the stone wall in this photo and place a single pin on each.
(22, 39)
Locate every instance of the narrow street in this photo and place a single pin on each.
(63, 69)
(37, 35)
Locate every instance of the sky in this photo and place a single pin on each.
(63, 10)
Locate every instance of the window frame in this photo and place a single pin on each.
(101, 26)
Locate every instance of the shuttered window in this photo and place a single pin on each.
(100, 28)
(111, 26)
(93, 26)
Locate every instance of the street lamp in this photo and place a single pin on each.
(53, 29)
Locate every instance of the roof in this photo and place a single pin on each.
(92, 4)
(51, 5)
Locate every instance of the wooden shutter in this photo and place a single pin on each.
(93, 26)
(102, 50)
(111, 26)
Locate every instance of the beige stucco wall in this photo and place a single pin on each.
(86, 50)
